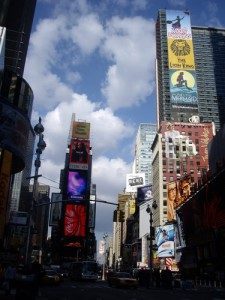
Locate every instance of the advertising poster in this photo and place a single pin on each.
(55, 212)
(79, 154)
(183, 88)
(133, 181)
(184, 190)
(81, 130)
(165, 241)
(75, 220)
(77, 185)
(144, 193)
(172, 200)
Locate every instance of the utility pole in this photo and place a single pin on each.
(38, 129)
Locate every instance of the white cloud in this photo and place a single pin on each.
(130, 44)
(110, 177)
(88, 33)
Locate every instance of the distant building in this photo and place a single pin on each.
(143, 154)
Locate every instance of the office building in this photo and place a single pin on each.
(143, 154)
(16, 133)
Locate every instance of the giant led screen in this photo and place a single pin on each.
(75, 220)
(77, 182)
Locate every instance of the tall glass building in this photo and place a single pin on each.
(209, 57)
(143, 154)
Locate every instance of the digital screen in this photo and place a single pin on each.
(77, 185)
(75, 220)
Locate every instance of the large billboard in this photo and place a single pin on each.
(177, 193)
(164, 237)
(55, 212)
(81, 130)
(79, 154)
(75, 220)
(183, 88)
(133, 181)
(144, 193)
(77, 183)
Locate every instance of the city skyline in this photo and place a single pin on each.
(98, 61)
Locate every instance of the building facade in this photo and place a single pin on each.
(209, 65)
(143, 154)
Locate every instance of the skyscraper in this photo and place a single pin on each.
(16, 96)
(143, 154)
(208, 66)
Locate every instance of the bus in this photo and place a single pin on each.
(83, 270)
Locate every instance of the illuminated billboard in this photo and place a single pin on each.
(77, 183)
(79, 154)
(164, 237)
(183, 88)
(133, 181)
(144, 193)
(75, 220)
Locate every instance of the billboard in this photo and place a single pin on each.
(172, 198)
(144, 193)
(133, 181)
(77, 183)
(164, 237)
(184, 190)
(183, 87)
(79, 154)
(18, 218)
(132, 206)
(81, 130)
(55, 212)
(75, 220)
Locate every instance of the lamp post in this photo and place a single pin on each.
(38, 129)
(105, 236)
(151, 236)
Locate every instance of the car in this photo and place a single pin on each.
(122, 279)
(50, 277)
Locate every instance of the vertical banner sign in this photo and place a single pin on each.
(75, 220)
(4, 187)
(183, 88)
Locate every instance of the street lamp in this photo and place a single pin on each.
(151, 236)
(38, 129)
(105, 236)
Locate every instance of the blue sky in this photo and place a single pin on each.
(97, 59)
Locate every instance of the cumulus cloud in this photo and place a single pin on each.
(57, 50)
(88, 33)
(130, 44)
(108, 174)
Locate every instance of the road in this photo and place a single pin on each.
(69, 290)
(101, 291)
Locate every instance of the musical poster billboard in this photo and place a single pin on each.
(144, 193)
(133, 181)
(77, 183)
(81, 130)
(79, 154)
(183, 87)
(75, 220)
